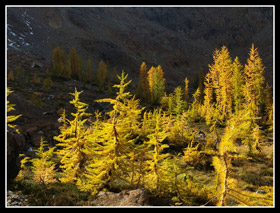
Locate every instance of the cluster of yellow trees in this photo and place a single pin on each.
(73, 68)
(228, 88)
(129, 147)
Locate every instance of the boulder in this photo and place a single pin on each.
(200, 135)
(137, 197)
(15, 144)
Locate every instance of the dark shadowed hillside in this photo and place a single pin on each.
(180, 39)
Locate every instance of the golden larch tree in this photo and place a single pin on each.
(186, 92)
(237, 82)
(42, 166)
(112, 141)
(144, 81)
(156, 83)
(254, 81)
(10, 107)
(72, 141)
(102, 74)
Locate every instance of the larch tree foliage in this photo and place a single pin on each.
(237, 127)
(174, 102)
(186, 91)
(102, 74)
(111, 146)
(11, 76)
(254, 93)
(220, 76)
(144, 84)
(237, 83)
(254, 82)
(208, 103)
(75, 65)
(155, 173)
(268, 102)
(156, 84)
(72, 141)
(200, 83)
(58, 67)
(195, 108)
(43, 168)
(10, 107)
(223, 65)
(179, 102)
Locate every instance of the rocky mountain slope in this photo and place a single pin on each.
(180, 39)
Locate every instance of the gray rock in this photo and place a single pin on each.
(16, 199)
(200, 135)
(15, 144)
(137, 197)
(261, 192)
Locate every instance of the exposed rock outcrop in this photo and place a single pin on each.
(15, 144)
(137, 197)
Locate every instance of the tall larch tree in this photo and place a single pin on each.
(58, 63)
(72, 141)
(237, 82)
(178, 101)
(220, 74)
(110, 148)
(156, 146)
(186, 91)
(254, 82)
(208, 105)
(156, 84)
(144, 81)
(224, 66)
(75, 64)
(102, 74)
